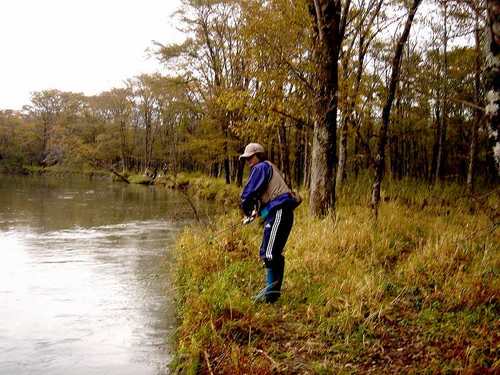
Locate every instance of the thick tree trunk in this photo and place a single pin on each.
(492, 83)
(329, 33)
(386, 112)
(322, 175)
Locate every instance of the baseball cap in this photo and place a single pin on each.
(252, 149)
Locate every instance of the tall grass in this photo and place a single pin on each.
(416, 291)
(199, 186)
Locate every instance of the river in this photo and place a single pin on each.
(83, 286)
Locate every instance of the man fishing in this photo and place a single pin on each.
(267, 195)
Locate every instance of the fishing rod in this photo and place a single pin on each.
(245, 221)
(267, 290)
(264, 292)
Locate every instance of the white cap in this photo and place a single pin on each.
(252, 149)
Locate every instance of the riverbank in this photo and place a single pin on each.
(197, 185)
(193, 185)
(56, 171)
(200, 187)
(416, 291)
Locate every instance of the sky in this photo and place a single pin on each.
(86, 46)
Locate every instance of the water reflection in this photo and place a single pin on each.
(81, 290)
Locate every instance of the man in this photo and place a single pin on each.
(267, 194)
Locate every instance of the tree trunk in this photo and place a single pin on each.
(329, 32)
(147, 143)
(341, 171)
(239, 177)
(356, 154)
(477, 114)
(271, 154)
(436, 137)
(307, 159)
(386, 112)
(123, 144)
(299, 155)
(45, 139)
(284, 155)
(441, 153)
(492, 83)
(342, 154)
(365, 40)
(227, 169)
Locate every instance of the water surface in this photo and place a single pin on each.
(82, 282)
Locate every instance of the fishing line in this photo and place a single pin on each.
(247, 220)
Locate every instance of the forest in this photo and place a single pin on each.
(333, 89)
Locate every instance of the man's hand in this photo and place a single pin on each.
(249, 219)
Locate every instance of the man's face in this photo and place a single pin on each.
(252, 160)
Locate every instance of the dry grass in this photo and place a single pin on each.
(417, 291)
(201, 187)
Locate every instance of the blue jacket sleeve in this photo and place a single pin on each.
(257, 183)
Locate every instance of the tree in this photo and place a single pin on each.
(212, 61)
(364, 34)
(116, 106)
(476, 7)
(386, 111)
(330, 17)
(492, 80)
(444, 91)
(279, 96)
(51, 108)
(142, 88)
(45, 106)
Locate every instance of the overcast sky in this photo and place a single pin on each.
(84, 46)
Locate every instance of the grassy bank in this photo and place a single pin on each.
(64, 171)
(199, 186)
(417, 291)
